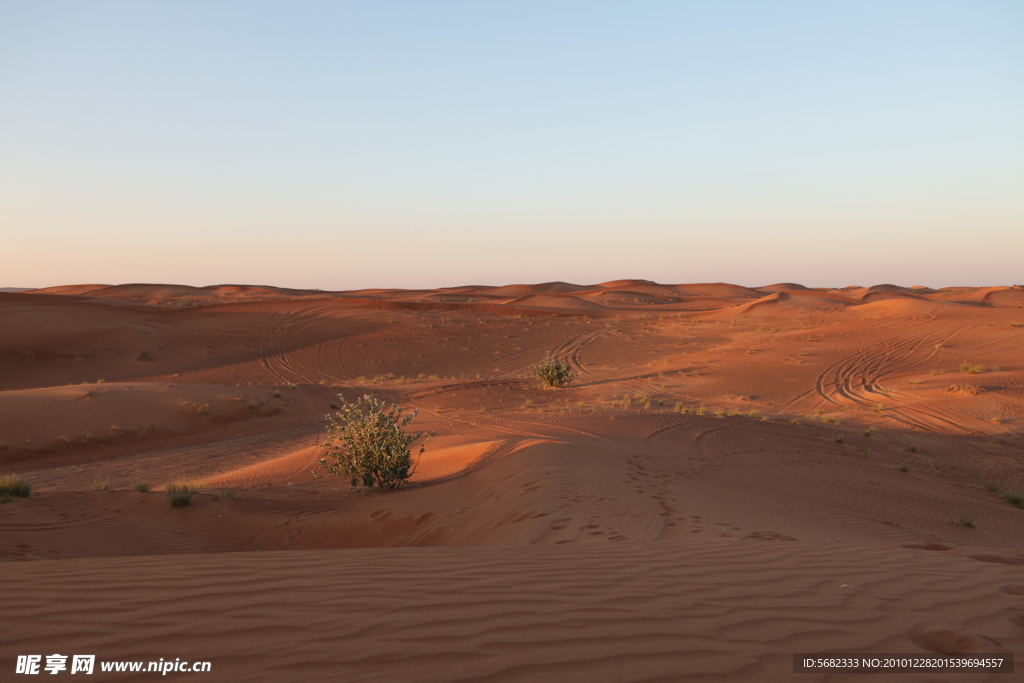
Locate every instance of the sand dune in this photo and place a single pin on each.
(735, 475)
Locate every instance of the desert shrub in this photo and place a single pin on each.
(551, 372)
(964, 520)
(183, 486)
(180, 499)
(13, 485)
(972, 369)
(1014, 499)
(966, 389)
(367, 441)
(101, 485)
(140, 486)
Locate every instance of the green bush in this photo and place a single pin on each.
(367, 442)
(140, 486)
(180, 499)
(551, 372)
(13, 485)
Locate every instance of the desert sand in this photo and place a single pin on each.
(736, 475)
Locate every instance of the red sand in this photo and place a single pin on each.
(721, 487)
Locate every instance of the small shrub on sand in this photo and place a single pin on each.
(965, 389)
(229, 494)
(101, 485)
(13, 485)
(972, 369)
(904, 469)
(992, 486)
(552, 373)
(140, 486)
(964, 520)
(275, 394)
(367, 441)
(183, 486)
(1014, 499)
(180, 499)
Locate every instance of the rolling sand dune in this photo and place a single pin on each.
(735, 475)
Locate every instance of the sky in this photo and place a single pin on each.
(431, 143)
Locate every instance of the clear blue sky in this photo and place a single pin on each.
(435, 143)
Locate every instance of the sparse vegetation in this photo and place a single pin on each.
(964, 520)
(552, 373)
(904, 469)
(1014, 499)
(13, 485)
(275, 394)
(972, 369)
(200, 408)
(911, 449)
(140, 486)
(180, 499)
(367, 441)
(183, 486)
(101, 485)
(967, 389)
(992, 486)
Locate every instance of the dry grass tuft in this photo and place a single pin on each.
(966, 389)
(13, 485)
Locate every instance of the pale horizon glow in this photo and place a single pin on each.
(420, 144)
